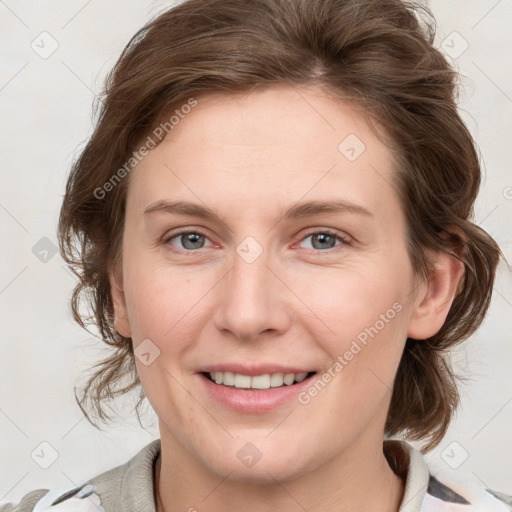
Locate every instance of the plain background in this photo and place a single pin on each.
(46, 106)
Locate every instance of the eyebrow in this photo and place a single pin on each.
(297, 211)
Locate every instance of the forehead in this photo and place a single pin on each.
(268, 147)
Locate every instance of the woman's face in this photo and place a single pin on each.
(264, 285)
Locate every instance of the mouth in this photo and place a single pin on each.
(264, 382)
(256, 388)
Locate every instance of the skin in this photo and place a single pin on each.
(248, 157)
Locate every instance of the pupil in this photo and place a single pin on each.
(191, 238)
(323, 237)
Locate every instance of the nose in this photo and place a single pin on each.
(254, 300)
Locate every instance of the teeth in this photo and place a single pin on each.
(301, 376)
(289, 378)
(229, 378)
(276, 380)
(266, 381)
(260, 381)
(242, 381)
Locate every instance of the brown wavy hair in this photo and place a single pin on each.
(380, 57)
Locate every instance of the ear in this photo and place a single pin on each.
(435, 296)
(121, 323)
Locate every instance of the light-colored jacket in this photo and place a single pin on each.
(129, 488)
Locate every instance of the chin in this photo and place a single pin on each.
(262, 473)
(259, 462)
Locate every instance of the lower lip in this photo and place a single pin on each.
(250, 400)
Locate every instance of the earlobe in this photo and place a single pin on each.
(121, 323)
(436, 297)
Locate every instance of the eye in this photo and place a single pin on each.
(321, 240)
(190, 240)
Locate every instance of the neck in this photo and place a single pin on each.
(344, 484)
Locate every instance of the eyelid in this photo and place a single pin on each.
(341, 236)
(345, 240)
(182, 231)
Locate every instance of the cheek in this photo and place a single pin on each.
(359, 306)
(164, 303)
(366, 314)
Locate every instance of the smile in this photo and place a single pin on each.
(257, 393)
(265, 381)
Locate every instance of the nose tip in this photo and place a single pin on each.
(252, 300)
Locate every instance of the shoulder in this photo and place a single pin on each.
(27, 502)
(79, 499)
(128, 486)
(463, 496)
(427, 491)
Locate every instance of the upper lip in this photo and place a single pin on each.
(252, 370)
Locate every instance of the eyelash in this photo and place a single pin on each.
(345, 240)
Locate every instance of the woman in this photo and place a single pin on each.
(272, 223)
